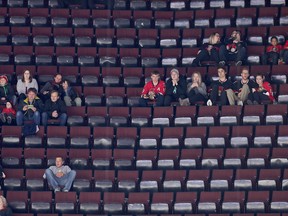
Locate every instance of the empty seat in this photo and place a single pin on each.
(221, 179)
(279, 202)
(169, 37)
(162, 116)
(80, 18)
(103, 137)
(89, 202)
(104, 180)
(182, 19)
(126, 137)
(23, 54)
(59, 16)
(38, 16)
(83, 179)
(233, 201)
(207, 115)
(269, 179)
(34, 157)
(264, 136)
(209, 202)
(257, 201)
(121, 18)
(11, 157)
(258, 157)
(18, 201)
(18, 16)
(115, 96)
(253, 115)
(65, 202)
(174, 180)
(197, 180)
(245, 16)
(41, 201)
(65, 55)
(241, 136)
(101, 18)
(41, 35)
(245, 179)
(79, 158)
(172, 137)
(195, 137)
(185, 115)
(224, 17)
(163, 19)
(90, 75)
(113, 202)
(11, 135)
(212, 158)
(123, 158)
(189, 158)
(171, 57)
(161, 202)
(203, 18)
(138, 202)
(151, 180)
(56, 136)
(146, 158)
(86, 56)
(34, 179)
(234, 158)
(93, 97)
(276, 114)
(140, 116)
(184, 202)
(218, 136)
(278, 158)
(129, 57)
(267, 16)
(127, 180)
(101, 158)
(20, 35)
(142, 19)
(230, 115)
(132, 76)
(111, 76)
(14, 181)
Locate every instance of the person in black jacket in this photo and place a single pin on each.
(54, 84)
(175, 88)
(220, 89)
(30, 108)
(69, 95)
(54, 108)
(209, 51)
(6, 91)
(234, 49)
(5, 210)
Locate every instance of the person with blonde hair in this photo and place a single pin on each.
(209, 51)
(196, 91)
(4, 208)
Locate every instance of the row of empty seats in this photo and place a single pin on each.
(131, 37)
(123, 159)
(265, 16)
(156, 203)
(154, 4)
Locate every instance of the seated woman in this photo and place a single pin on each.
(26, 82)
(209, 51)
(262, 93)
(196, 91)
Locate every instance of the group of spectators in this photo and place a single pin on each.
(29, 104)
(222, 92)
(234, 49)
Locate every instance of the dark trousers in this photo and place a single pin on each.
(258, 97)
(270, 57)
(220, 99)
(285, 56)
(204, 55)
(159, 101)
(224, 55)
(195, 97)
(172, 98)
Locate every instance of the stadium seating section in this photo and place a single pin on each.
(131, 160)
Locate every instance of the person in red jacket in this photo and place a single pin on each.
(263, 93)
(8, 113)
(272, 53)
(154, 90)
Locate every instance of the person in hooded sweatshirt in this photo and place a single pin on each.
(6, 91)
(69, 95)
(54, 108)
(49, 86)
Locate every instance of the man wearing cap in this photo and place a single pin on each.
(154, 90)
(175, 88)
(6, 91)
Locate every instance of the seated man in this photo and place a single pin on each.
(220, 89)
(30, 108)
(60, 176)
(54, 108)
(154, 90)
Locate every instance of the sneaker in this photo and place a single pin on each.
(238, 63)
(9, 120)
(209, 103)
(2, 118)
(66, 191)
(222, 63)
(56, 189)
(239, 103)
(37, 129)
(249, 102)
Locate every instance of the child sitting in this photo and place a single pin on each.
(8, 114)
(272, 53)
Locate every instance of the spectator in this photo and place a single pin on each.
(272, 53)
(54, 108)
(154, 90)
(25, 83)
(285, 52)
(55, 84)
(209, 51)
(30, 108)
(196, 90)
(175, 88)
(4, 208)
(262, 93)
(220, 89)
(8, 114)
(243, 87)
(234, 49)
(6, 91)
(60, 176)
(69, 95)
(2, 174)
